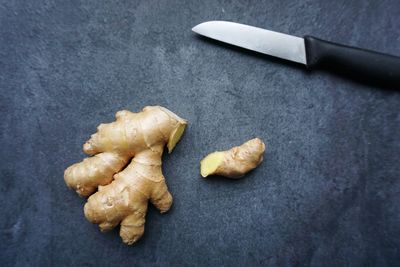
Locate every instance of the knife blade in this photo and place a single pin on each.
(310, 51)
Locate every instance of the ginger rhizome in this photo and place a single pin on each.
(136, 140)
(235, 162)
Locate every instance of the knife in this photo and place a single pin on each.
(310, 51)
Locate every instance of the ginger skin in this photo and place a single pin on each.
(235, 162)
(123, 196)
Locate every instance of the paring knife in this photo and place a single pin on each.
(310, 51)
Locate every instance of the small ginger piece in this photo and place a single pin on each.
(123, 196)
(235, 162)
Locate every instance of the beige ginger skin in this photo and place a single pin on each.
(134, 140)
(235, 162)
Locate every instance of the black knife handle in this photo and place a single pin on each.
(353, 61)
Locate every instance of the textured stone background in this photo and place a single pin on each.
(326, 195)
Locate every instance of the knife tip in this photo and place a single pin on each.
(202, 27)
(196, 28)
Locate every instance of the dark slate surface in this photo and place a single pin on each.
(326, 195)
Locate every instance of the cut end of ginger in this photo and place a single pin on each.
(176, 136)
(211, 163)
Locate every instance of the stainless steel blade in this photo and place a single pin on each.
(264, 41)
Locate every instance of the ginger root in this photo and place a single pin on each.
(235, 162)
(123, 196)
